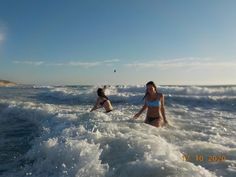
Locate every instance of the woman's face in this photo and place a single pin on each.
(151, 89)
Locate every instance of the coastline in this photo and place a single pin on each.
(5, 83)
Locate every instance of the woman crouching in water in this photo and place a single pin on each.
(154, 103)
(102, 101)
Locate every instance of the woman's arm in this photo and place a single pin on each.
(95, 106)
(140, 111)
(163, 109)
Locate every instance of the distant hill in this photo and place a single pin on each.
(6, 83)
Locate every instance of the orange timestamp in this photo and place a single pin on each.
(204, 158)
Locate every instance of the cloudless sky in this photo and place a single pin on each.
(83, 41)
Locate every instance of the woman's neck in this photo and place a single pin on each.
(153, 94)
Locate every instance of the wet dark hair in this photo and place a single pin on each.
(150, 83)
(101, 93)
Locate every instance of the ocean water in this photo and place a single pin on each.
(48, 131)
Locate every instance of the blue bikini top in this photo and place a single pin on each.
(154, 103)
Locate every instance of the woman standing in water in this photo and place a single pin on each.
(154, 103)
(102, 101)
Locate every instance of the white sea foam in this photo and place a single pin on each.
(71, 141)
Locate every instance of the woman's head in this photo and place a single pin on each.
(151, 87)
(101, 93)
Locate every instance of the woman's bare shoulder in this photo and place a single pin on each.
(161, 95)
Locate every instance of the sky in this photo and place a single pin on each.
(70, 42)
